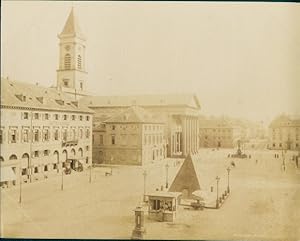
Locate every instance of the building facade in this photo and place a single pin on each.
(216, 133)
(132, 137)
(179, 113)
(284, 133)
(41, 128)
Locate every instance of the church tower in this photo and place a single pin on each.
(71, 74)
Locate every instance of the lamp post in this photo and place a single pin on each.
(90, 178)
(228, 171)
(217, 201)
(62, 179)
(145, 176)
(20, 195)
(167, 174)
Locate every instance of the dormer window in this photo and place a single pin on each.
(21, 97)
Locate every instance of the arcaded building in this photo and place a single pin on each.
(284, 133)
(40, 129)
(131, 137)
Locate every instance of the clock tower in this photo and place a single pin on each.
(71, 74)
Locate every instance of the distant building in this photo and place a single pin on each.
(132, 137)
(217, 133)
(40, 129)
(284, 133)
(179, 113)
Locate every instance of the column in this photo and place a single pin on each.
(184, 135)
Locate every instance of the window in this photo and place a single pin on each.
(46, 135)
(81, 133)
(93, 141)
(56, 135)
(73, 117)
(46, 116)
(56, 116)
(113, 127)
(65, 117)
(79, 61)
(87, 118)
(65, 134)
(36, 116)
(67, 61)
(113, 139)
(87, 133)
(87, 148)
(36, 134)
(13, 136)
(101, 139)
(46, 152)
(80, 117)
(73, 134)
(1, 136)
(25, 136)
(66, 82)
(36, 170)
(36, 153)
(280, 145)
(25, 115)
(81, 85)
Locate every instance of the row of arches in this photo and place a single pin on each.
(64, 155)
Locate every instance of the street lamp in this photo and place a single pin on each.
(145, 175)
(217, 201)
(20, 195)
(62, 179)
(228, 171)
(90, 179)
(167, 169)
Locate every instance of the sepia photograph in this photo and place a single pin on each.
(155, 120)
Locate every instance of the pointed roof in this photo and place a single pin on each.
(133, 114)
(71, 26)
(187, 176)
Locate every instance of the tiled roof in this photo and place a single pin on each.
(133, 114)
(71, 26)
(190, 100)
(24, 95)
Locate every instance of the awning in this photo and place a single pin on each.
(7, 174)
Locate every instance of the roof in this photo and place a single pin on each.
(214, 123)
(71, 27)
(190, 100)
(25, 95)
(286, 120)
(133, 114)
(164, 194)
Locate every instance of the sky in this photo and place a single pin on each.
(240, 59)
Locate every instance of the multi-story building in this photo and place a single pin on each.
(284, 133)
(179, 113)
(40, 129)
(217, 133)
(131, 137)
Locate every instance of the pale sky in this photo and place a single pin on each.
(241, 59)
